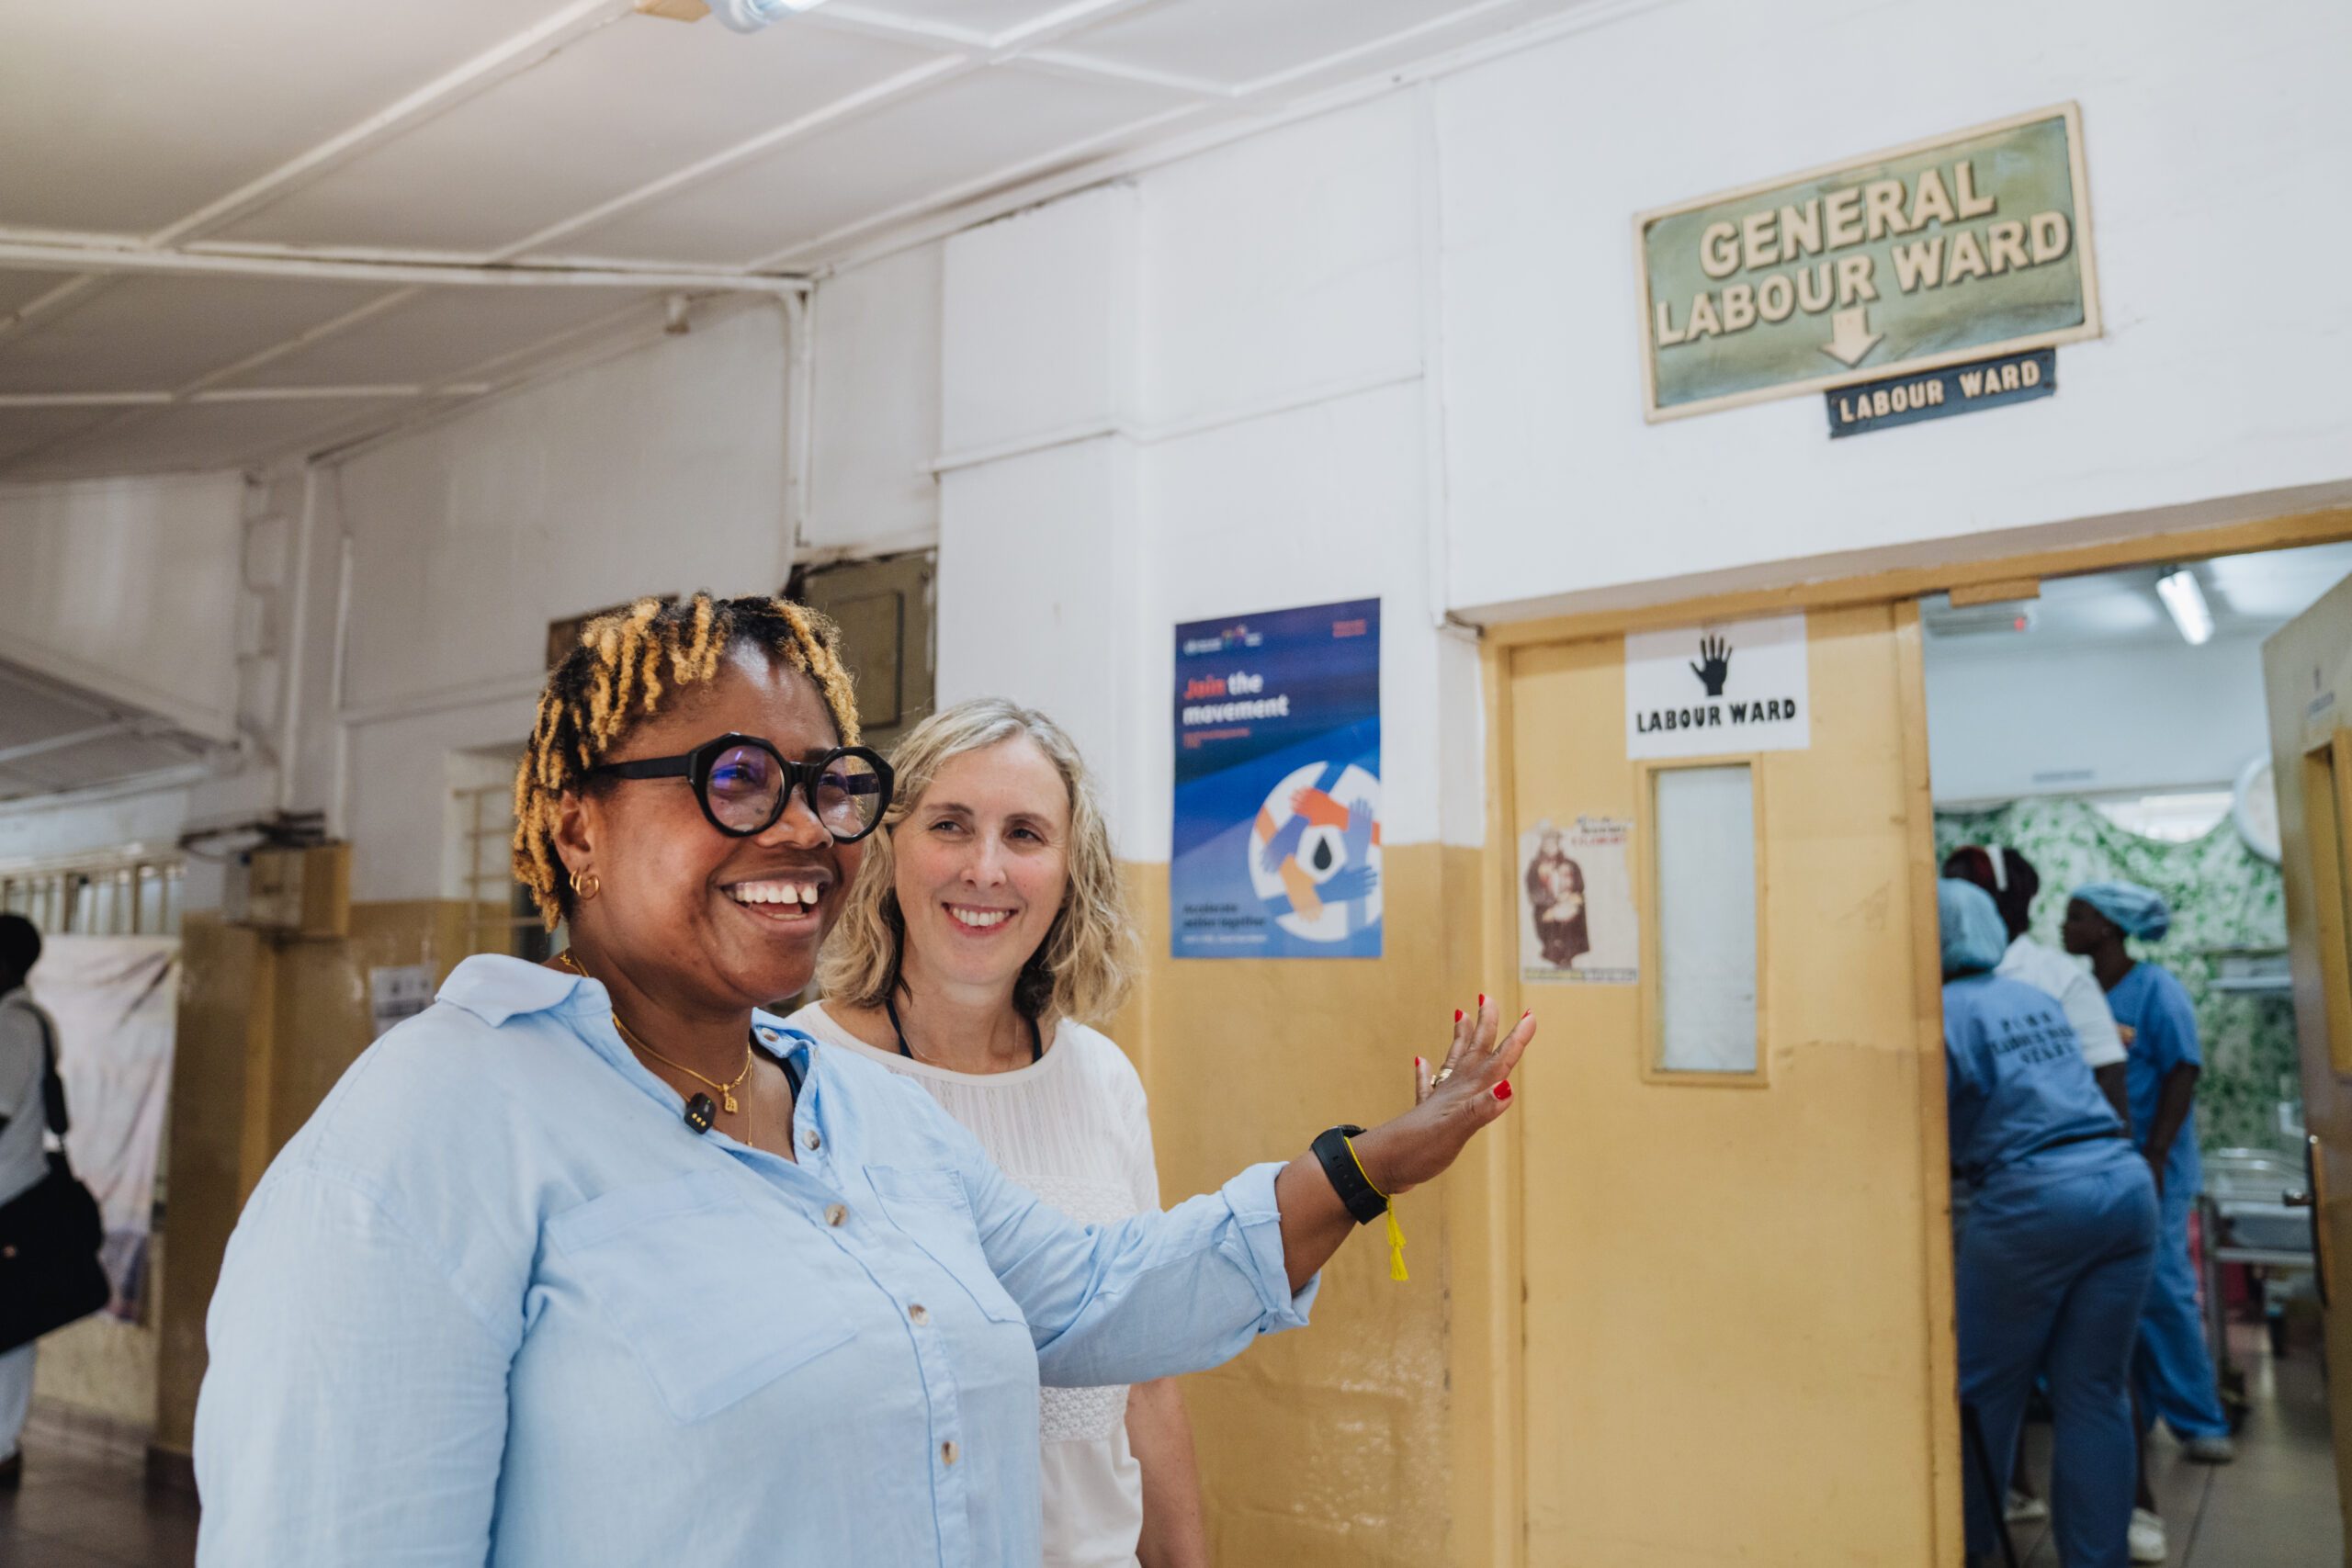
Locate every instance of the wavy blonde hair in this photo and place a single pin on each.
(1088, 962)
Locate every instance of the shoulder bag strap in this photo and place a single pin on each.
(53, 1088)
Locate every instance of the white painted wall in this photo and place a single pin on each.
(658, 472)
(873, 418)
(38, 830)
(2208, 141)
(2091, 720)
(128, 588)
(1268, 448)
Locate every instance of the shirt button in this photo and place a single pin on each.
(948, 1450)
(809, 1140)
(835, 1214)
(918, 1314)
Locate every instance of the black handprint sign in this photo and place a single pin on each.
(1717, 668)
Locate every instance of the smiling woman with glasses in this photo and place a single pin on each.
(595, 1261)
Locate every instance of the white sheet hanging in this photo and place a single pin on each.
(116, 1002)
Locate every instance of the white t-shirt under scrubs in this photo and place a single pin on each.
(1074, 1128)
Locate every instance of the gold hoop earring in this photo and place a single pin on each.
(585, 885)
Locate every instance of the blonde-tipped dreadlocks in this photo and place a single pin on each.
(616, 676)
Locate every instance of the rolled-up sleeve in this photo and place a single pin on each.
(1151, 1296)
(354, 1407)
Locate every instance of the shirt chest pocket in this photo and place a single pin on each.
(929, 1208)
(700, 1289)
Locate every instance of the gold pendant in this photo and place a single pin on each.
(729, 1099)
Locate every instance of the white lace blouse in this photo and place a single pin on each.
(1075, 1129)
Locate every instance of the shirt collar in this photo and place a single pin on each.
(494, 988)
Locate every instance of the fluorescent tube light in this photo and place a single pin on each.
(2181, 595)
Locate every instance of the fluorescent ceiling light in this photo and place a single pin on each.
(2181, 595)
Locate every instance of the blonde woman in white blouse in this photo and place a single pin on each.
(987, 924)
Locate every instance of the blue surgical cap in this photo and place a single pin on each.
(2139, 911)
(1974, 937)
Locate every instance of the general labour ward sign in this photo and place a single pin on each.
(1962, 248)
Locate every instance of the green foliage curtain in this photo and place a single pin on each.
(2223, 896)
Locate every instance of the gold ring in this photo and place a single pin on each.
(1440, 1076)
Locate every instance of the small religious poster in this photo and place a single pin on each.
(1577, 924)
(1276, 846)
(1718, 690)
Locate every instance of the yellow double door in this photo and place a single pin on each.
(1736, 1341)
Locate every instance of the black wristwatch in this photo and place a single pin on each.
(1364, 1202)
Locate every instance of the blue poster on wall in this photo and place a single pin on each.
(1277, 843)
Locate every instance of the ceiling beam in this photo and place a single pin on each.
(235, 395)
(36, 251)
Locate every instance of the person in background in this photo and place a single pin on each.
(2058, 1247)
(2172, 1372)
(986, 922)
(25, 1031)
(2012, 881)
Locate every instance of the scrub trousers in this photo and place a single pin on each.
(2048, 1277)
(2172, 1367)
(15, 1395)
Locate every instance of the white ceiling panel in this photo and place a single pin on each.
(427, 132)
(55, 737)
(635, 102)
(157, 333)
(99, 761)
(127, 117)
(1232, 42)
(965, 131)
(205, 436)
(24, 431)
(15, 288)
(440, 335)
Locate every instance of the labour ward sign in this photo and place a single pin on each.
(1962, 248)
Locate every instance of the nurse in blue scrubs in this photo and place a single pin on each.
(2058, 1245)
(2172, 1372)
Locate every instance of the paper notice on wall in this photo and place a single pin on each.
(397, 992)
(1728, 687)
(1577, 925)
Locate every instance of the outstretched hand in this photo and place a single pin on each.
(1450, 1102)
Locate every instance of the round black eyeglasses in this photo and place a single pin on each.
(744, 784)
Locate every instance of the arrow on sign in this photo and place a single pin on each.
(1851, 337)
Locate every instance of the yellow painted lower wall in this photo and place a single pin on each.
(265, 1031)
(1335, 1445)
(1332, 1445)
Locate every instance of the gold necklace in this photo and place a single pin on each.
(726, 1091)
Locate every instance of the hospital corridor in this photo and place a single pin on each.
(1169, 784)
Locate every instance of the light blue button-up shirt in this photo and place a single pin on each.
(497, 1303)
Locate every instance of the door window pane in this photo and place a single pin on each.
(1706, 918)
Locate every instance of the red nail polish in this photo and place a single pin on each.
(1502, 1091)
(1482, 1001)
(1457, 1015)
(1418, 1065)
